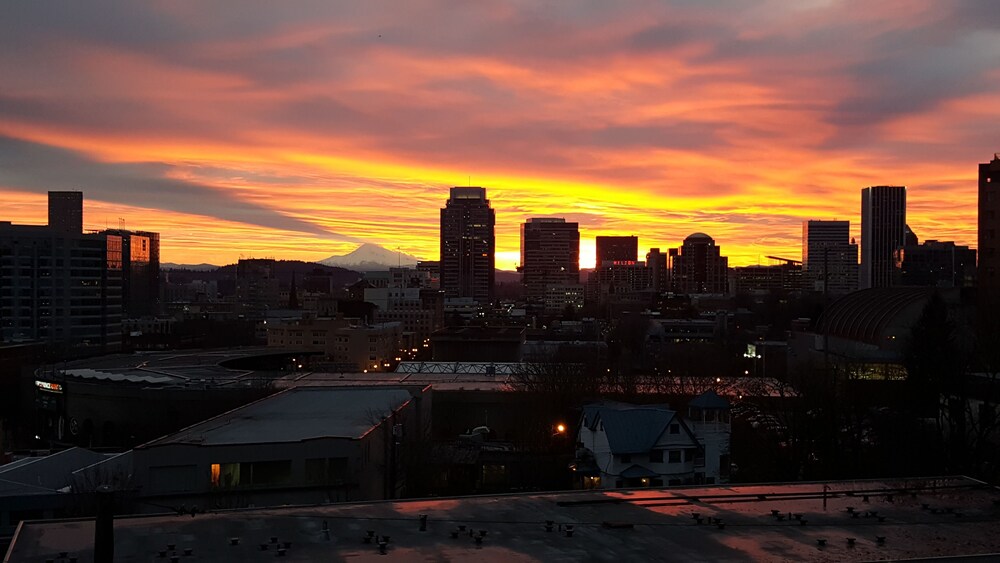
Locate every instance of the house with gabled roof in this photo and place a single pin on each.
(626, 445)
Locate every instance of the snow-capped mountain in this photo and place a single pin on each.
(371, 257)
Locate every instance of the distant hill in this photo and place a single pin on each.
(283, 270)
(371, 257)
(192, 267)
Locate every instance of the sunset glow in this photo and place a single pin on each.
(300, 130)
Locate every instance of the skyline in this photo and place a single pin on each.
(282, 131)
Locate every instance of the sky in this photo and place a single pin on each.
(301, 129)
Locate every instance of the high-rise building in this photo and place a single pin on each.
(659, 275)
(550, 255)
(468, 247)
(66, 212)
(59, 285)
(698, 266)
(829, 257)
(140, 272)
(936, 264)
(784, 276)
(619, 250)
(883, 226)
(989, 227)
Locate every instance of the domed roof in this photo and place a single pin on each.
(699, 237)
(868, 315)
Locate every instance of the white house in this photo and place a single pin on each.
(625, 445)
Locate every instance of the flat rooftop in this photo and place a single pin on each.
(918, 518)
(172, 368)
(294, 415)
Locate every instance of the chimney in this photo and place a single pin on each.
(104, 528)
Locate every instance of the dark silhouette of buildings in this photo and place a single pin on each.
(989, 226)
(468, 246)
(883, 223)
(698, 266)
(550, 255)
(784, 276)
(935, 264)
(829, 257)
(58, 285)
(659, 274)
(613, 250)
(66, 212)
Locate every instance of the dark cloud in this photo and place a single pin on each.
(36, 167)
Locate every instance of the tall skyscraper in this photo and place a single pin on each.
(619, 250)
(698, 266)
(550, 255)
(883, 225)
(989, 225)
(468, 247)
(66, 212)
(829, 257)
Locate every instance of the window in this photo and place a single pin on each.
(331, 471)
(675, 428)
(674, 456)
(225, 475)
(270, 473)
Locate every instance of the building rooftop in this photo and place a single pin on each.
(917, 518)
(174, 368)
(45, 474)
(294, 415)
(466, 333)
(870, 315)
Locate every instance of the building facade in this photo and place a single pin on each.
(550, 255)
(883, 227)
(698, 266)
(988, 278)
(936, 264)
(140, 273)
(829, 257)
(58, 286)
(626, 445)
(468, 246)
(613, 250)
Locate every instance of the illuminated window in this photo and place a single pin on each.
(225, 475)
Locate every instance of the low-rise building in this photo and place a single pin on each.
(302, 445)
(342, 341)
(625, 445)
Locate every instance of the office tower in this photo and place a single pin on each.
(60, 286)
(140, 272)
(550, 255)
(989, 243)
(659, 277)
(617, 250)
(698, 266)
(468, 247)
(66, 212)
(883, 225)
(785, 275)
(257, 288)
(829, 257)
(936, 264)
